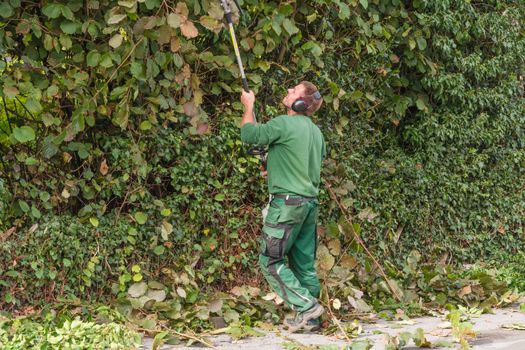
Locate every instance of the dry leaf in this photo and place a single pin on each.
(190, 109)
(174, 44)
(65, 193)
(189, 30)
(182, 9)
(269, 296)
(66, 157)
(7, 233)
(464, 291)
(202, 128)
(103, 167)
(174, 20)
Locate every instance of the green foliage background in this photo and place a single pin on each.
(120, 143)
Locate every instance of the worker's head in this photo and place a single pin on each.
(304, 98)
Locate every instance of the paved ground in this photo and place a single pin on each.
(490, 334)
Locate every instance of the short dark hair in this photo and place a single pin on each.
(313, 104)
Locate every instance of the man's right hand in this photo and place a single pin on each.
(248, 99)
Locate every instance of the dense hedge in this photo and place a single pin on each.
(120, 136)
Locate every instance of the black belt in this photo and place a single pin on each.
(294, 199)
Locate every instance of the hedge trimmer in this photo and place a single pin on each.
(257, 150)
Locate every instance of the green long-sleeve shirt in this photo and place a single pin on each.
(296, 150)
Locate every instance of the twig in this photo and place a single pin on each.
(123, 61)
(360, 241)
(25, 108)
(116, 69)
(335, 319)
(124, 201)
(7, 115)
(182, 335)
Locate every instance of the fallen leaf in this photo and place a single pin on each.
(269, 296)
(137, 289)
(157, 295)
(7, 233)
(103, 167)
(215, 305)
(181, 292)
(464, 291)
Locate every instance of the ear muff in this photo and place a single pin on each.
(299, 106)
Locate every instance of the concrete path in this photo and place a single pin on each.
(490, 334)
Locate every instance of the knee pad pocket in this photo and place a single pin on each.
(275, 238)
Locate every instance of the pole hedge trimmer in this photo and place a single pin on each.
(257, 150)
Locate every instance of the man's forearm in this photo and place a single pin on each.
(247, 117)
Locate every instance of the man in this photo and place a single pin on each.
(296, 150)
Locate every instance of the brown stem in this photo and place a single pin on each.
(182, 335)
(285, 44)
(335, 319)
(7, 115)
(360, 241)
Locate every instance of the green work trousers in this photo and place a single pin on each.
(289, 233)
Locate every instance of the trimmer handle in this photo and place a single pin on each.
(245, 85)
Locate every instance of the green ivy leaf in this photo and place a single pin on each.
(52, 10)
(159, 250)
(420, 103)
(344, 10)
(93, 221)
(31, 161)
(35, 212)
(151, 4)
(106, 61)
(141, 217)
(24, 134)
(67, 13)
(23, 205)
(411, 43)
(92, 58)
(33, 106)
(116, 18)
(364, 3)
(421, 43)
(69, 27)
(137, 70)
(290, 27)
(44, 196)
(145, 125)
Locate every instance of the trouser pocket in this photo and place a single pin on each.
(279, 213)
(275, 238)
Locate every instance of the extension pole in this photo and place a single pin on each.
(257, 150)
(228, 15)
